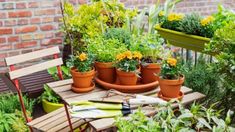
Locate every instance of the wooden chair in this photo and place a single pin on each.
(14, 74)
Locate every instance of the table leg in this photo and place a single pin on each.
(68, 117)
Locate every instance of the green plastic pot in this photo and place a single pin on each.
(191, 42)
(49, 107)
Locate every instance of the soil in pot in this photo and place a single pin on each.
(82, 79)
(126, 78)
(171, 88)
(148, 72)
(106, 71)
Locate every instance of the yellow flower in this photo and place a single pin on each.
(82, 56)
(172, 61)
(120, 57)
(137, 55)
(161, 13)
(128, 54)
(207, 20)
(175, 17)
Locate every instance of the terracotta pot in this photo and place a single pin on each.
(82, 79)
(148, 73)
(171, 88)
(126, 78)
(106, 71)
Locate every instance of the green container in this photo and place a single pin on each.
(191, 42)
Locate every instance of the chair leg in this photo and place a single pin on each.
(68, 117)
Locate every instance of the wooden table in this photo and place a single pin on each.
(63, 89)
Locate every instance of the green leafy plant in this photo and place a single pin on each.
(82, 62)
(122, 35)
(10, 102)
(54, 73)
(170, 69)
(128, 61)
(196, 118)
(105, 50)
(49, 95)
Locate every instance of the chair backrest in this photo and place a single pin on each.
(11, 61)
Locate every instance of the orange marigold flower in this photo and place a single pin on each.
(137, 55)
(172, 61)
(120, 57)
(128, 54)
(82, 56)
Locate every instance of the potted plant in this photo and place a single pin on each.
(50, 101)
(171, 79)
(82, 71)
(153, 52)
(127, 67)
(105, 51)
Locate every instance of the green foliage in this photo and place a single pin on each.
(54, 73)
(82, 62)
(203, 79)
(6, 121)
(122, 35)
(191, 24)
(49, 95)
(170, 69)
(91, 20)
(9, 103)
(150, 46)
(104, 49)
(197, 118)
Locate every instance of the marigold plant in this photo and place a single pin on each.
(170, 69)
(172, 21)
(83, 62)
(128, 61)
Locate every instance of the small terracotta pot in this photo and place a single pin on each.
(106, 71)
(148, 73)
(171, 88)
(82, 79)
(126, 78)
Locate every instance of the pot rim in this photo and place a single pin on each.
(104, 64)
(182, 77)
(151, 66)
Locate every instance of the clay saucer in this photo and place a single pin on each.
(83, 90)
(138, 88)
(181, 94)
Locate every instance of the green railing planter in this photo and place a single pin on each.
(191, 42)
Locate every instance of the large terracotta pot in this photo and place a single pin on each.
(148, 73)
(171, 88)
(106, 71)
(126, 78)
(82, 79)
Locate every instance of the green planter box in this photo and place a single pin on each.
(191, 42)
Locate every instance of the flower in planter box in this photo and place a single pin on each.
(175, 17)
(207, 20)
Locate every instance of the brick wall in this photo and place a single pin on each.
(29, 25)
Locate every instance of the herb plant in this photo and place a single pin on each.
(196, 118)
(54, 73)
(128, 61)
(105, 50)
(82, 62)
(49, 95)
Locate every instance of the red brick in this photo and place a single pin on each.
(5, 47)
(1, 23)
(20, 5)
(5, 31)
(7, 5)
(35, 20)
(47, 27)
(2, 64)
(23, 21)
(26, 44)
(10, 22)
(20, 14)
(57, 19)
(49, 35)
(59, 34)
(52, 41)
(33, 4)
(26, 29)
(3, 15)
(2, 40)
(3, 55)
(13, 39)
(47, 19)
(45, 12)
